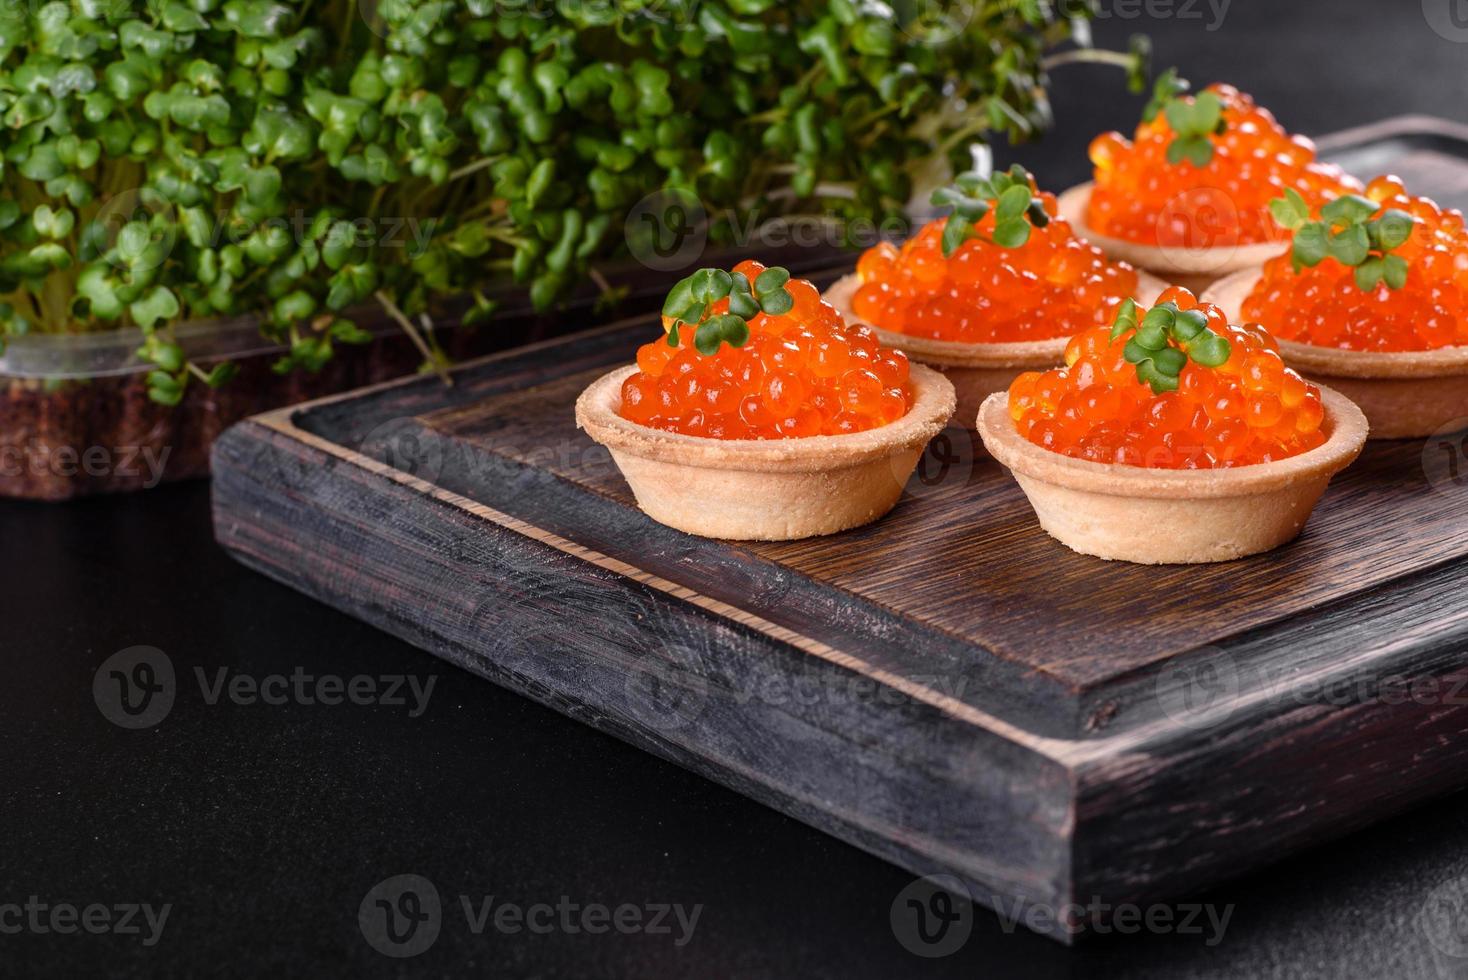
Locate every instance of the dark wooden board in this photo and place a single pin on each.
(947, 688)
(960, 554)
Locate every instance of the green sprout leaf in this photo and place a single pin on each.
(1167, 88)
(1192, 121)
(1394, 271)
(1291, 211)
(222, 374)
(777, 303)
(725, 328)
(688, 302)
(956, 231)
(1350, 245)
(1369, 274)
(1126, 318)
(1165, 340)
(1348, 233)
(1348, 209)
(1393, 228)
(1312, 244)
(772, 280)
(1008, 194)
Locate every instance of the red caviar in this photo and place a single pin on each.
(1322, 305)
(802, 373)
(1052, 286)
(1250, 409)
(1140, 197)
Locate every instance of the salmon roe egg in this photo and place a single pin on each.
(1140, 197)
(801, 373)
(1323, 306)
(1249, 409)
(1051, 286)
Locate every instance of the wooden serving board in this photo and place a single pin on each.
(948, 688)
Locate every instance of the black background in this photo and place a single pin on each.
(266, 826)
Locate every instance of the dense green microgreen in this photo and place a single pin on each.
(1349, 231)
(301, 161)
(689, 302)
(1192, 121)
(1151, 349)
(1010, 196)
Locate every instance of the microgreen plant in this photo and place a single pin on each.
(301, 161)
(1192, 120)
(689, 303)
(1151, 349)
(1349, 231)
(1010, 196)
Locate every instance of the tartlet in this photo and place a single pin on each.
(1404, 394)
(766, 489)
(712, 442)
(1187, 197)
(1205, 448)
(991, 290)
(1373, 297)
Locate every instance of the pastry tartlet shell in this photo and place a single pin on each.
(766, 489)
(1405, 394)
(1192, 268)
(976, 370)
(1157, 517)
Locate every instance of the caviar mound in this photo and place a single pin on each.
(1141, 196)
(1249, 409)
(1050, 287)
(800, 373)
(1324, 306)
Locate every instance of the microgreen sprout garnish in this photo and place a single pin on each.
(1016, 208)
(1348, 233)
(690, 299)
(1192, 122)
(1158, 362)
